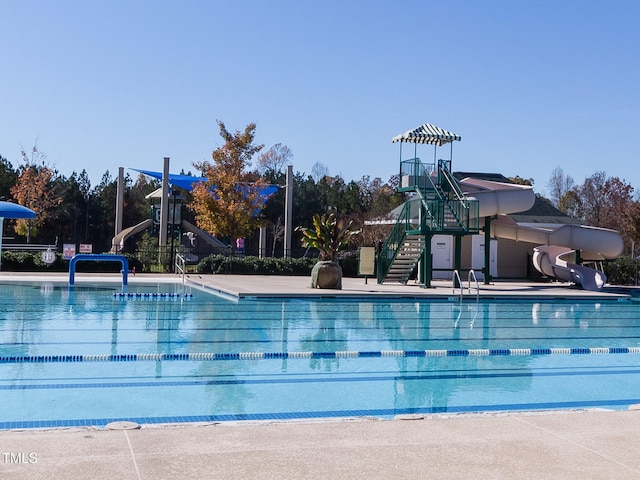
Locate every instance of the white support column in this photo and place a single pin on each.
(262, 245)
(164, 205)
(119, 201)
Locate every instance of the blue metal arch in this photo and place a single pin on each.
(98, 257)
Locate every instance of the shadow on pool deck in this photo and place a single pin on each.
(591, 444)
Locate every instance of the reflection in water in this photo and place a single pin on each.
(45, 321)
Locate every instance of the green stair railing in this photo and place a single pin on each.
(425, 213)
(415, 175)
(440, 190)
(409, 221)
(466, 212)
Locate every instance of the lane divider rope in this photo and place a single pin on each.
(209, 356)
(151, 296)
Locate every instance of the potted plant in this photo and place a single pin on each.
(329, 237)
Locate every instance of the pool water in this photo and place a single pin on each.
(159, 353)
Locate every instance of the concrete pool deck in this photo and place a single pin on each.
(585, 445)
(283, 286)
(563, 444)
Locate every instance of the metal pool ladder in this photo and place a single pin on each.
(180, 266)
(472, 274)
(474, 308)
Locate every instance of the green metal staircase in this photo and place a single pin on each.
(437, 206)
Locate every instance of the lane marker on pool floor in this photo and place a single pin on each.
(210, 356)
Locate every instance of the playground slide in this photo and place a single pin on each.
(210, 239)
(557, 244)
(117, 244)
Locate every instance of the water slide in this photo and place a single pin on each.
(557, 246)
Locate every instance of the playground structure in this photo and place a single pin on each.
(169, 217)
(439, 204)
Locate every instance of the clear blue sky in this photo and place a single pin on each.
(527, 85)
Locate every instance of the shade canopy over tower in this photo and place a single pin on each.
(427, 134)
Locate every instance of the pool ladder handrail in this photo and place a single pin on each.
(472, 274)
(456, 276)
(475, 279)
(180, 266)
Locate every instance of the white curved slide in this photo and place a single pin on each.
(497, 198)
(550, 261)
(556, 244)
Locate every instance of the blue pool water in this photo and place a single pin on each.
(159, 353)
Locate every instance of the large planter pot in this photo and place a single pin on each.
(326, 274)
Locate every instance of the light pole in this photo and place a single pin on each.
(635, 262)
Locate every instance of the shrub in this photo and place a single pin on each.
(255, 265)
(621, 271)
(18, 261)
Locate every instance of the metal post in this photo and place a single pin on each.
(487, 250)
(86, 222)
(119, 201)
(288, 207)
(173, 225)
(457, 254)
(262, 245)
(164, 213)
(427, 263)
(164, 208)
(635, 262)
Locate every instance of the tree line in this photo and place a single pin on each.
(70, 210)
(600, 201)
(229, 205)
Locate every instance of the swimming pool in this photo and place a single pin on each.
(157, 353)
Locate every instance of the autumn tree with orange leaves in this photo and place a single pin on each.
(34, 189)
(228, 203)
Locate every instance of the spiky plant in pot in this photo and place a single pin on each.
(329, 237)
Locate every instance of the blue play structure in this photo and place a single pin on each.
(95, 257)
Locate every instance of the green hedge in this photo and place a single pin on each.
(268, 266)
(32, 262)
(621, 271)
(17, 261)
(256, 265)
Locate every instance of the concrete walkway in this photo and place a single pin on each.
(566, 444)
(563, 445)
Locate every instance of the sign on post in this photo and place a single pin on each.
(68, 251)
